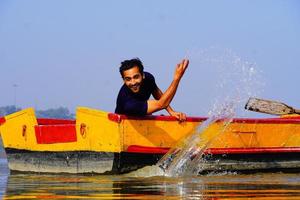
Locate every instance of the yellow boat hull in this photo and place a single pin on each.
(103, 142)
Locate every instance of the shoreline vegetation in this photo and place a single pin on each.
(59, 113)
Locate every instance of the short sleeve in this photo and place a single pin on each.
(151, 81)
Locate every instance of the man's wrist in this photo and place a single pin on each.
(177, 78)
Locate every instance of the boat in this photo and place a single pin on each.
(108, 143)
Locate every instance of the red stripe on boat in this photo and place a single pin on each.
(114, 117)
(286, 120)
(163, 150)
(49, 134)
(143, 149)
(118, 118)
(2, 120)
(46, 121)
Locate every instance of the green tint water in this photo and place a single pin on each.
(213, 186)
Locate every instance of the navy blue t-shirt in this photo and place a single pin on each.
(130, 103)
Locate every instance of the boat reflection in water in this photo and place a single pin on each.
(217, 186)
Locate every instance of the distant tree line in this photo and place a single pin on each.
(60, 112)
(6, 110)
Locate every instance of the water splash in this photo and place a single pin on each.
(186, 157)
(238, 81)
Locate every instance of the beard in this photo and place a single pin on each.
(135, 88)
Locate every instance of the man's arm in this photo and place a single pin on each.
(166, 98)
(157, 93)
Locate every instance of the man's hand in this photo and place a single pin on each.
(180, 69)
(179, 115)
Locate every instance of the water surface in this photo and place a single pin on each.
(213, 186)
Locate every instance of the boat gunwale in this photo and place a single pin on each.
(284, 120)
(118, 118)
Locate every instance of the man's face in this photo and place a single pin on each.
(133, 79)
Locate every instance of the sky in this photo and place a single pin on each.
(68, 52)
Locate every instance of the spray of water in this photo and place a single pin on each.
(186, 157)
(237, 82)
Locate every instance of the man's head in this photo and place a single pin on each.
(132, 72)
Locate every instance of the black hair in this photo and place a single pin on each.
(128, 64)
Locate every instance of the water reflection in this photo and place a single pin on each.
(225, 186)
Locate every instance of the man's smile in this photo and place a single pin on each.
(135, 87)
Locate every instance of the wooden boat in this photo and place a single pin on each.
(102, 142)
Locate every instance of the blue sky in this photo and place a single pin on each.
(67, 52)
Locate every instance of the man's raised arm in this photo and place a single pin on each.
(166, 98)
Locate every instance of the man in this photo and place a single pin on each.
(133, 97)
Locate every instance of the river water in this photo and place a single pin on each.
(212, 186)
